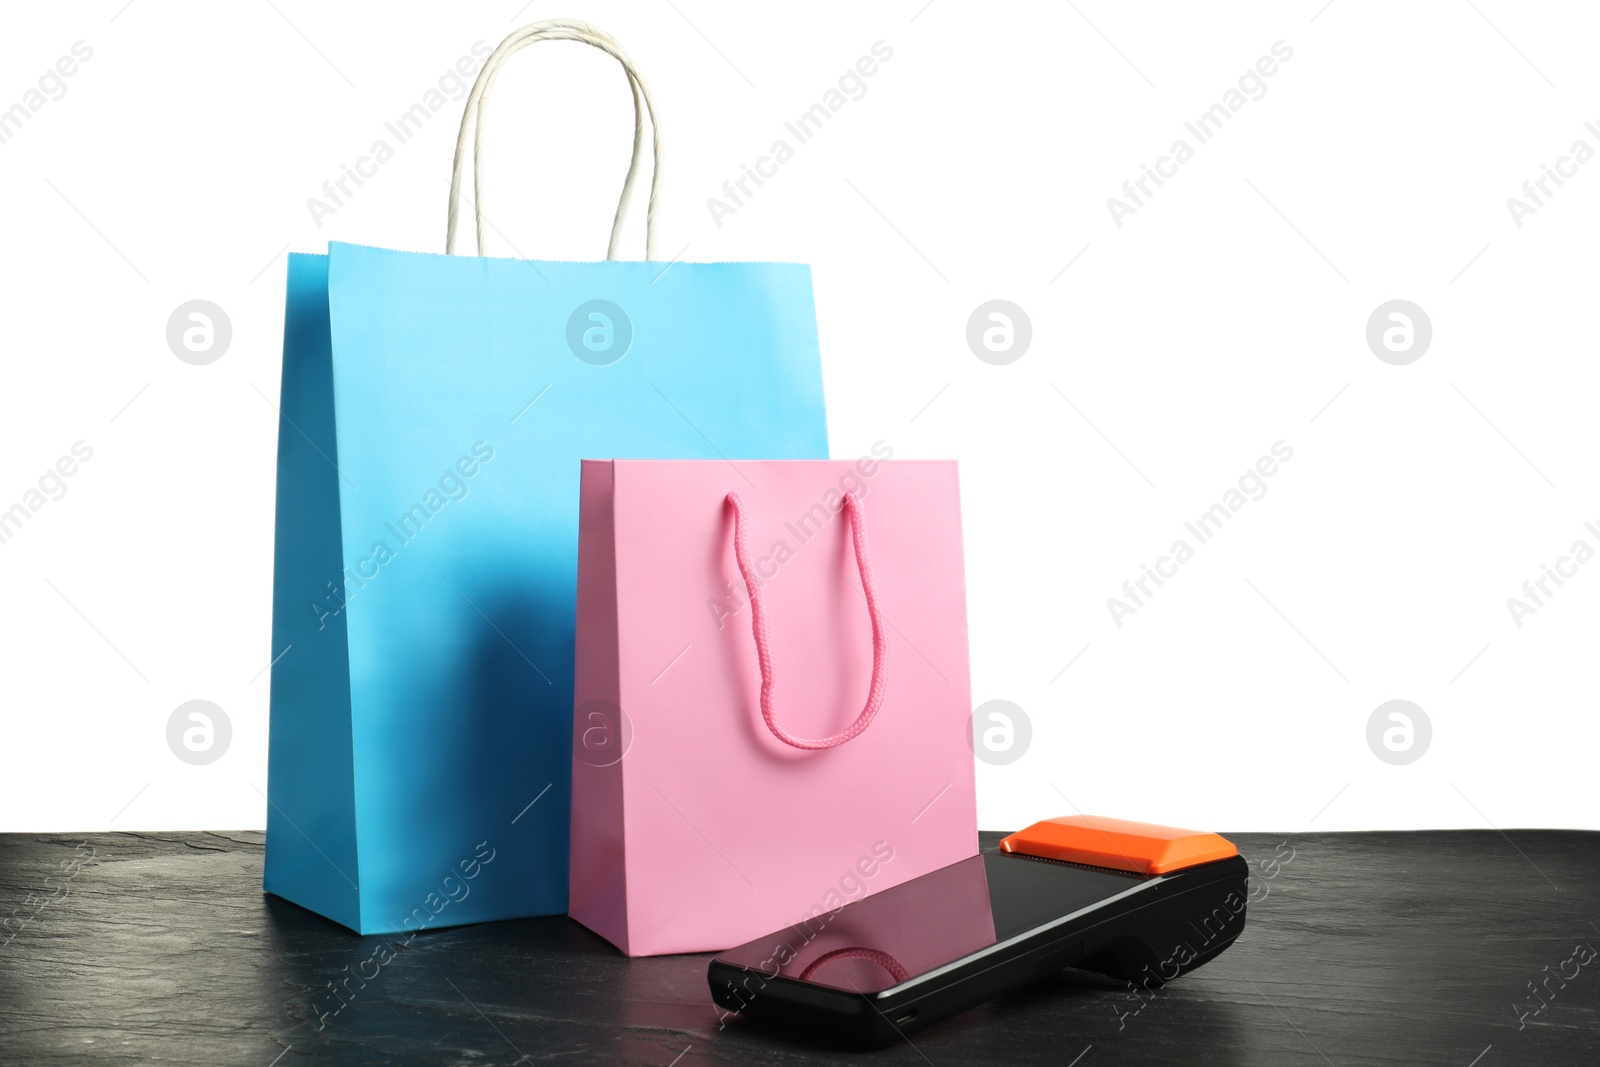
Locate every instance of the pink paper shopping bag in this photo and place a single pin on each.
(772, 699)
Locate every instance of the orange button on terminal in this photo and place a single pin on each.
(1118, 844)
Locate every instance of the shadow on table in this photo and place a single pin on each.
(1062, 1014)
(543, 987)
(540, 986)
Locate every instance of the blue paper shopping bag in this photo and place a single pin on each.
(434, 413)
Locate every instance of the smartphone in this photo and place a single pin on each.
(1132, 901)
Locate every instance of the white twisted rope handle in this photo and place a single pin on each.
(478, 107)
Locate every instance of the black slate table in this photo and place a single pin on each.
(1462, 949)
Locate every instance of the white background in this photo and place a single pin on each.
(1225, 315)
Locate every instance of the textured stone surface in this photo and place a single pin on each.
(1372, 949)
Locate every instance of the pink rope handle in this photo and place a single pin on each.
(882, 959)
(758, 627)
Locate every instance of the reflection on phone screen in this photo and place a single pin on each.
(919, 926)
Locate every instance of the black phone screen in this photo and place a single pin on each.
(921, 925)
